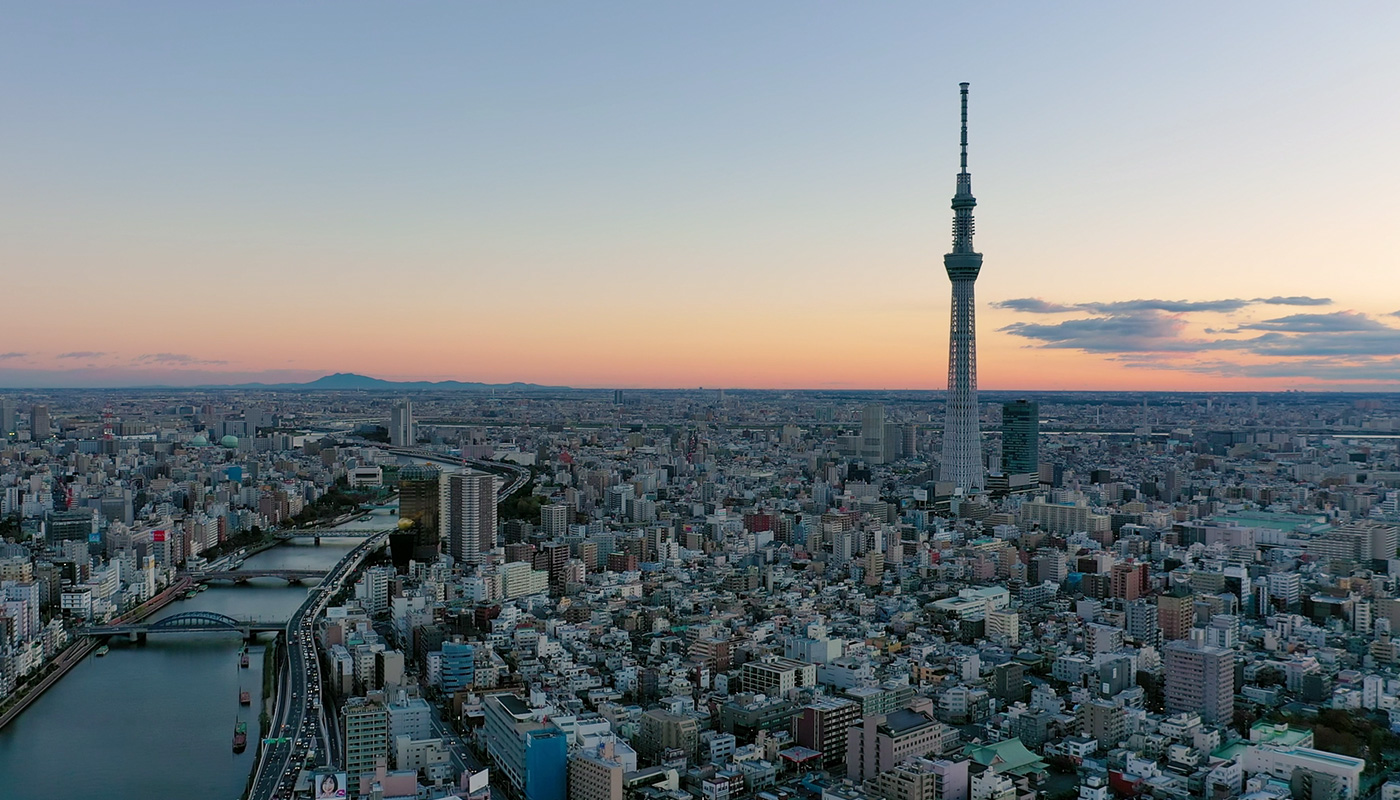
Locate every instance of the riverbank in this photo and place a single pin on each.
(69, 657)
(274, 537)
(155, 720)
(261, 546)
(272, 675)
(81, 646)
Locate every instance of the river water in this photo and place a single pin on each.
(156, 720)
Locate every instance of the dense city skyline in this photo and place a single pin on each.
(762, 206)
(526, 401)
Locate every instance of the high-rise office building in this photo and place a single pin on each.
(420, 501)
(467, 515)
(7, 417)
(872, 434)
(39, 425)
(401, 424)
(1020, 437)
(962, 434)
(1200, 679)
(530, 755)
(458, 666)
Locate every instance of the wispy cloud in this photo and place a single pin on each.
(1295, 300)
(1385, 342)
(1171, 306)
(6, 356)
(174, 359)
(1139, 332)
(82, 354)
(1034, 305)
(128, 375)
(1317, 323)
(1156, 334)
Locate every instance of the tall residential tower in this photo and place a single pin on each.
(962, 436)
(401, 424)
(467, 515)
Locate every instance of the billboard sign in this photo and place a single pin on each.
(94, 538)
(479, 781)
(157, 536)
(329, 786)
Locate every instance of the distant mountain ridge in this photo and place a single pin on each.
(351, 382)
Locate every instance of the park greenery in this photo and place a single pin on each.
(338, 501)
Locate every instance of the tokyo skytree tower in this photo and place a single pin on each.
(962, 434)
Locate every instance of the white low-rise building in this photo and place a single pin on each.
(1280, 762)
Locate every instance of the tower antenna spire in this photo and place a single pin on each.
(964, 126)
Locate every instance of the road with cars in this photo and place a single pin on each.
(298, 722)
(301, 728)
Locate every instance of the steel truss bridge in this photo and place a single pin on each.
(331, 533)
(188, 622)
(243, 575)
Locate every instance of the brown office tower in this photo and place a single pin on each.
(419, 501)
(1175, 614)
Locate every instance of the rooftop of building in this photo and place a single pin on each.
(513, 705)
(906, 721)
(1308, 753)
(1274, 520)
(830, 703)
(1010, 755)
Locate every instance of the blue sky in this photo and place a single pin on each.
(674, 194)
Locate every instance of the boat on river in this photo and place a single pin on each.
(245, 697)
(240, 736)
(103, 650)
(243, 658)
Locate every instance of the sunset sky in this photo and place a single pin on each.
(1171, 196)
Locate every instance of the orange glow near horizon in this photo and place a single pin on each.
(893, 350)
